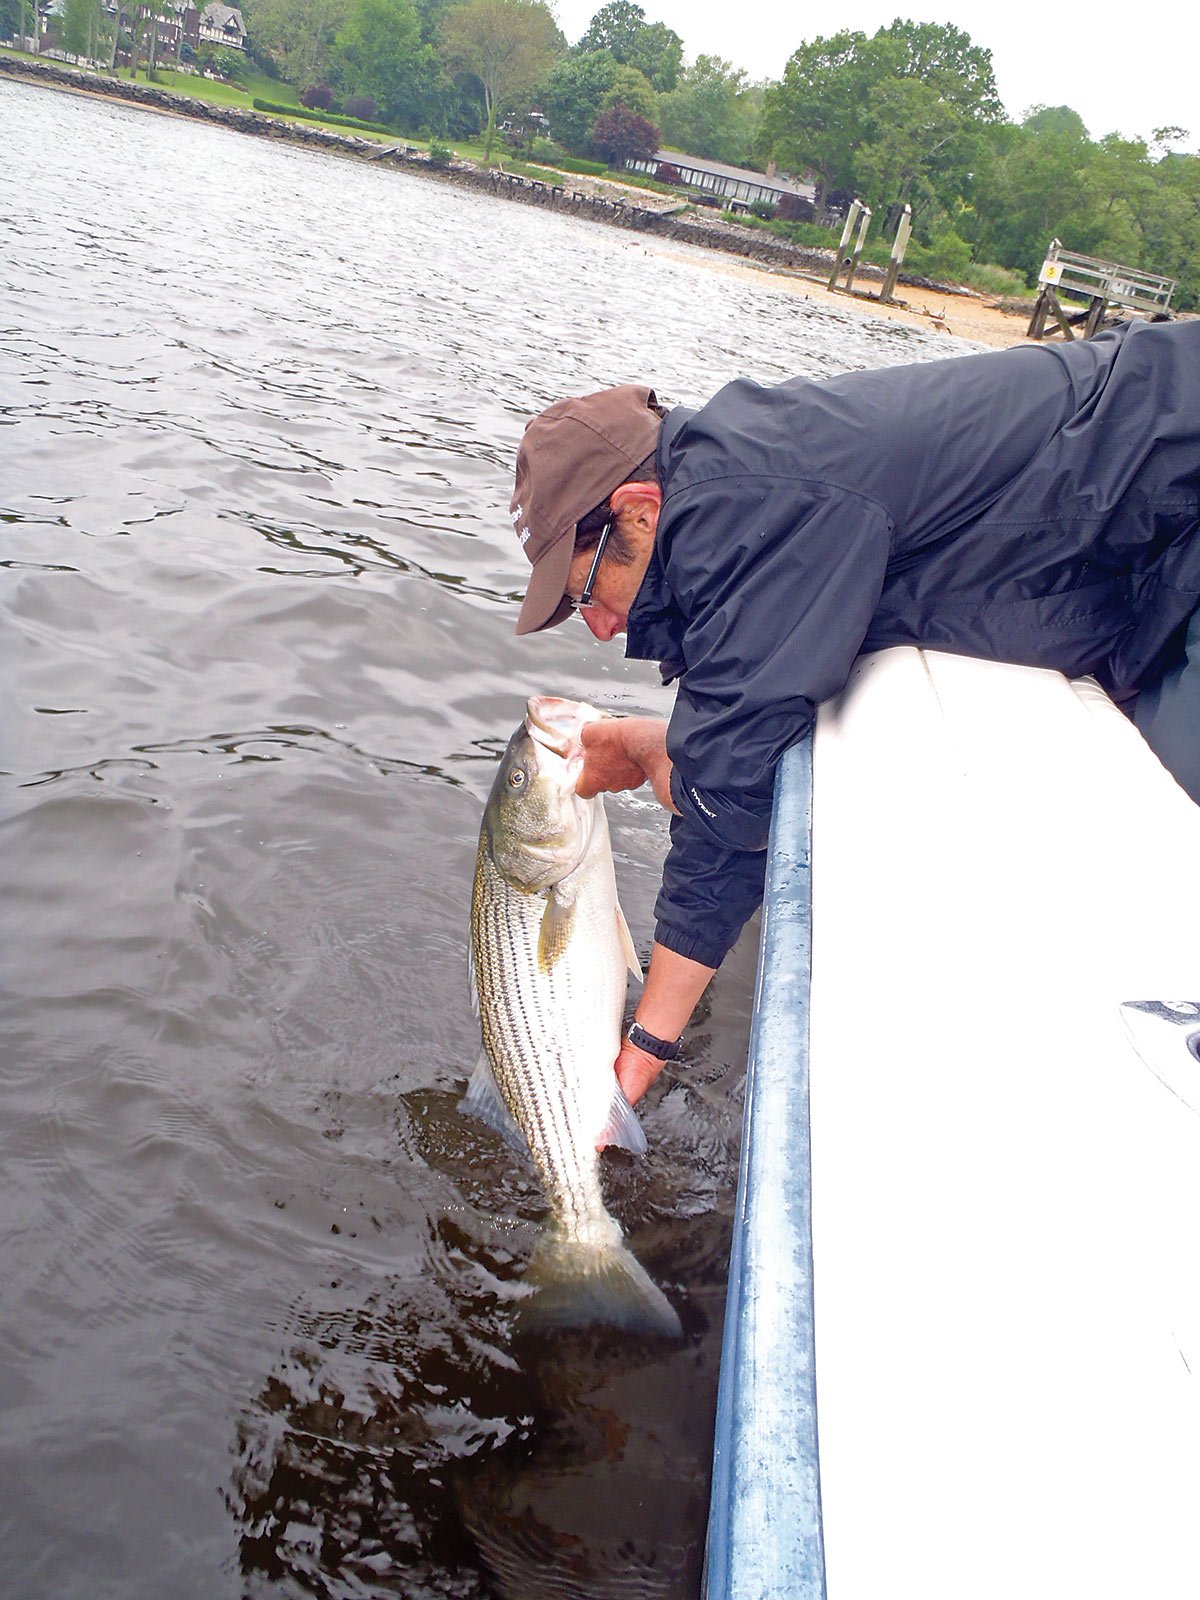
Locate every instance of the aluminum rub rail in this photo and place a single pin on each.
(764, 1532)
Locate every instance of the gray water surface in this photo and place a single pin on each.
(258, 412)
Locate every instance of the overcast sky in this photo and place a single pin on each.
(1123, 83)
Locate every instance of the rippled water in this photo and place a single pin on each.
(259, 407)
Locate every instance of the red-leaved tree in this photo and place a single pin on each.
(621, 135)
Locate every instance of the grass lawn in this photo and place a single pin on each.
(240, 96)
(217, 94)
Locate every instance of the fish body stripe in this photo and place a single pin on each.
(552, 1035)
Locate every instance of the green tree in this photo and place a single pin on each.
(1039, 186)
(815, 118)
(654, 49)
(943, 57)
(898, 116)
(378, 52)
(1158, 200)
(921, 150)
(712, 111)
(509, 45)
(1061, 120)
(1172, 226)
(85, 29)
(572, 93)
(26, 24)
(1120, 199)
(632, 89)
(297, 35)
(448, 106)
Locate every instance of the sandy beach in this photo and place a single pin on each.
(957, 314)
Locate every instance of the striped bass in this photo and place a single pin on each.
(549, 949)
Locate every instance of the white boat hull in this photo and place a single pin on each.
(1006, 1198)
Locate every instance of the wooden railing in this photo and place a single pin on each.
(1104, 284)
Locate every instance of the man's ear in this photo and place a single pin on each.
(626, 494)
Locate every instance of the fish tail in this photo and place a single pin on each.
(576, 1284)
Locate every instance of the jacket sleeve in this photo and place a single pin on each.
(779, 580)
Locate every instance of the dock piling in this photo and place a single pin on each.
(899, 246)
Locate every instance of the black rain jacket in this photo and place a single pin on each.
(1037, 505)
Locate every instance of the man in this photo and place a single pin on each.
(1038, 505)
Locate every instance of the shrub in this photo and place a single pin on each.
(318, 116)
(813, 233)
(440, 155)
(990, 279)
(543, 149)
(764, 209)
(795, 208)
(362, 107)
(588, 169)
(226, 62)
(945, 256)
(666, 173)
(317, 97)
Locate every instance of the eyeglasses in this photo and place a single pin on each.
(585, 598)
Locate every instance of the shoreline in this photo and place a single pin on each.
(803, 270)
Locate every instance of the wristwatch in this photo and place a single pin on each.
(664, 1049)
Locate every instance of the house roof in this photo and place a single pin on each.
(216, 15)
(678, 158)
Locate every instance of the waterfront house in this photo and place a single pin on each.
(739, 187)
(221, 24)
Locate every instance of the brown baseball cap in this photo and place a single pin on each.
(572, 457)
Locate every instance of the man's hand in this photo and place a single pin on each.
(636, 1071)
(623, 753)
(673, 985)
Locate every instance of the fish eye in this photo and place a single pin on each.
(516, 778)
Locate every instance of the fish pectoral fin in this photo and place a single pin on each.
(555, 933)
(484, 1100)
(622, 1127)
(628, 948)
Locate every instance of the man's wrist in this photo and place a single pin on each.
(661, 1049)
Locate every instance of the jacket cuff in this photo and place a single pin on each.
(694, 946)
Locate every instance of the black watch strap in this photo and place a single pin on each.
(664, 1049)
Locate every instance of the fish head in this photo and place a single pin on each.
(538, 829)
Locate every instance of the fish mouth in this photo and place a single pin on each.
(554, 723)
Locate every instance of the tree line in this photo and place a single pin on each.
(908, 115)
(911, 115)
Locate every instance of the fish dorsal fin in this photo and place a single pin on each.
(484, 1100)
(628, 948)
(555, 934)
(622, 1127)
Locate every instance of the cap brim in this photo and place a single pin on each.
(544, 603)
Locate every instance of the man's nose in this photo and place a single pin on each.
(605, 624)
